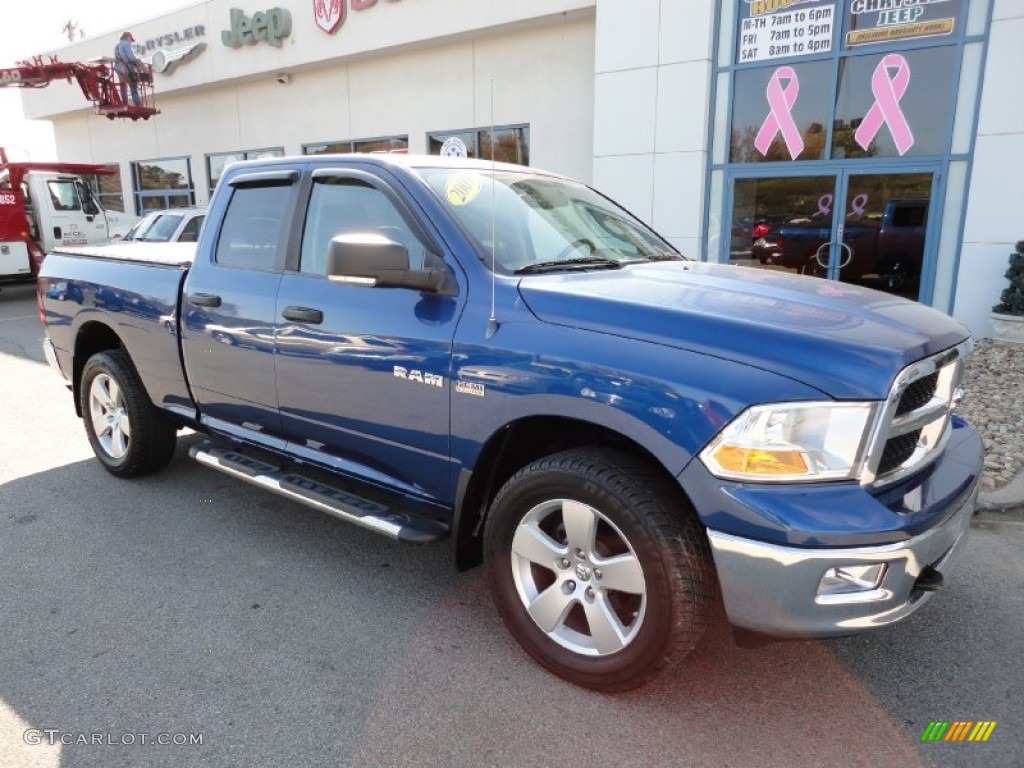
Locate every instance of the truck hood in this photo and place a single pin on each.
(848, 342)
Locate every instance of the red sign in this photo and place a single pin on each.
(330, 14)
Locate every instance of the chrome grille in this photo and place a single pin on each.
(914, 424)
(898, 450)
(918, 394)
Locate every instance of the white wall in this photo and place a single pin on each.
(995, 208)
(651, 96)
(542, 71)
(386, 26)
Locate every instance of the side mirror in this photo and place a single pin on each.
(375, 260)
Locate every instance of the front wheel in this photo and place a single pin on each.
(128, 434)
(599, 568)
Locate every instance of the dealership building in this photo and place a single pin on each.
(878, 142)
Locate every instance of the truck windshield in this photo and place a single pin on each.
(541, 223)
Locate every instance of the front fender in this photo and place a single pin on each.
(670, 401)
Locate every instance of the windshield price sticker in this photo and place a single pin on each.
(790, 32)
(462, 189)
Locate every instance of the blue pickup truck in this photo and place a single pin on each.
(503, 358)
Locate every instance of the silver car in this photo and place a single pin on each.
(168, 226)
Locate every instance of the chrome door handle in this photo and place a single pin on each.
(823, 246)
(303, 315)
(204, 300)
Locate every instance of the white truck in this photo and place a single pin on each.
(44, 206)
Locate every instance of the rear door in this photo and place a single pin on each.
(229, 313)
(363, 372)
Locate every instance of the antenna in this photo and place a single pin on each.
(492, 321)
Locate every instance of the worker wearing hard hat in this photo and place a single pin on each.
(127, 66)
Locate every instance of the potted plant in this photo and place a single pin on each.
(1008, 315)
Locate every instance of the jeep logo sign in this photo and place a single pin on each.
(269, 26)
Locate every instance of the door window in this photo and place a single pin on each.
(886, 217)
(779, 223)
(250, 236)
(341, 205)
(63, 195)
(190, 232)
(866, 229)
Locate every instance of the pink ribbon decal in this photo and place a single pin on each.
(888, 90)
(857, 206)
(780, 119)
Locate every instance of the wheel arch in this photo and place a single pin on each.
(91, 338)
(514, 446)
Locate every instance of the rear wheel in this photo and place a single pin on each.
(128, 434)
(599, 568)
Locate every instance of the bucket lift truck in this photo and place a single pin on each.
(97, 79)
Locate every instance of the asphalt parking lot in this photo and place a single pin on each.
(187, 603)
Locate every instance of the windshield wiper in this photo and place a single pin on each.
(664, 256)
(584, 262)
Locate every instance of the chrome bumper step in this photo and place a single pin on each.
(347, 506)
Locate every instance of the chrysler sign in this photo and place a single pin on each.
(330, 14)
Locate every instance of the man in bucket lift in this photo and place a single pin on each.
(127, 65)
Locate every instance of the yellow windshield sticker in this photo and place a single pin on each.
(462, 188)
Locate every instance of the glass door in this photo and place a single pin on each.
(783, 223)
(868, 229)
(881, 241)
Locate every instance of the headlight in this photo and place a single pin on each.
(790, 442)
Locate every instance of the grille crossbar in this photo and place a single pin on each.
(915, 422)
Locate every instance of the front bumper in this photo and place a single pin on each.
(773, 589)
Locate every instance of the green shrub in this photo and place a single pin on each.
(1012, 300)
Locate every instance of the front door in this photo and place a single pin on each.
(868, 229)
(73, 217)
(363, 373)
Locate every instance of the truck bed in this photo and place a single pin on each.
(168, 254)
(135, 291)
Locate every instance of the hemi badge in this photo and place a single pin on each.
(469, 388)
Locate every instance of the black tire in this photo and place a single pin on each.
(112, 398)
(641, 521)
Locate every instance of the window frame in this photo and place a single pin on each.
(246, 154)
(478, 134)
(348, 146)
(96, 182)
(365, 178)
(261, 180)
(163, 196)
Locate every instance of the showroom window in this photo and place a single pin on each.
(108, 188)
(835, 125)
(512, 143)
(382, 145)
(217, 162)
(163, 183)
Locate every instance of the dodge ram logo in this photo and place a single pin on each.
(329, 14)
